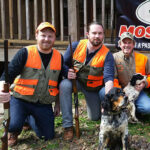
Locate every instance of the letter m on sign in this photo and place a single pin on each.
(123, 28)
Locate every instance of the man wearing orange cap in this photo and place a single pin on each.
(34, 73)
(129, 62)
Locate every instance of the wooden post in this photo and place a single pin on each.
(61, 21)
(112, 21)
(103, 12)
(19, 19)
(53, 12)
(94, 10)
(27, 20)
(3, 19)
(11, 18)
(35, 14)
(43, 10)
(73, 20)
(85, 18)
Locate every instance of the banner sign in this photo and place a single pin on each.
(134, 16)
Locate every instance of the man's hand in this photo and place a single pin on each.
(140, 87)
(71, 74)
(4, 97)
(108, 86)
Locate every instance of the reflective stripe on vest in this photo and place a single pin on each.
(79, 56)
(53, 91)
(28, 86)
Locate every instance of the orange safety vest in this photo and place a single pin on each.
(140, 65)
(93, 76)
(26, 84)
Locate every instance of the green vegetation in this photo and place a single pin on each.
(89, 134)
(141, 129)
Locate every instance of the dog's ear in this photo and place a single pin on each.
(133, 80)
(106, 102)
(108, 96)
(114, 91)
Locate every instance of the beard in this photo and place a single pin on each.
(95, 42)
(46, 46)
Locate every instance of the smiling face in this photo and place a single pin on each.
(45, 40)
(127, 46)
(95, 35)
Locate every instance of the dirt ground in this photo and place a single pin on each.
(88, 139)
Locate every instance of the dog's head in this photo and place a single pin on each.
(114, 101)
(137, 79)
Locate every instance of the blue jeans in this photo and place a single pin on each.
(93, 101)
(39, 116)
(143, 103)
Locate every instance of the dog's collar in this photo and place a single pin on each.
(115, 113)
(118, 112)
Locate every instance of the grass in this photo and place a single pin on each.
(141, 129)
(88, 139)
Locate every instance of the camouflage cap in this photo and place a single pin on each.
(126, 35)
(45, 25)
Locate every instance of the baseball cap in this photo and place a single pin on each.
(45, 25)
(126, 35)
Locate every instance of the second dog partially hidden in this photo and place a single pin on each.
(133, 94)
(114, 121)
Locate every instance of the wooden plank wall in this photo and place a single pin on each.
(19, 18)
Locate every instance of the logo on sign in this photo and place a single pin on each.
(143, 12)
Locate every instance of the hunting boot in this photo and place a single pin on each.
(12, 139)
(68, 133)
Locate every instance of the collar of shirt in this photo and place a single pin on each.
(130, 58)
(89, 56)
(45, 58)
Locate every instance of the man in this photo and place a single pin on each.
(93, 68)
(33, 74)
(129, 62)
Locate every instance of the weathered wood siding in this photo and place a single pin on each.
(19, 18)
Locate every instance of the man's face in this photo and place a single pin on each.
(95, 35)
(127, 46)
(45, 40)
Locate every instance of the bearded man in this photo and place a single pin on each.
(93, 69)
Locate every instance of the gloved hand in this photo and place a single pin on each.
(4, 97)
(71, 74)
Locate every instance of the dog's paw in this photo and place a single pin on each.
(134, 121)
